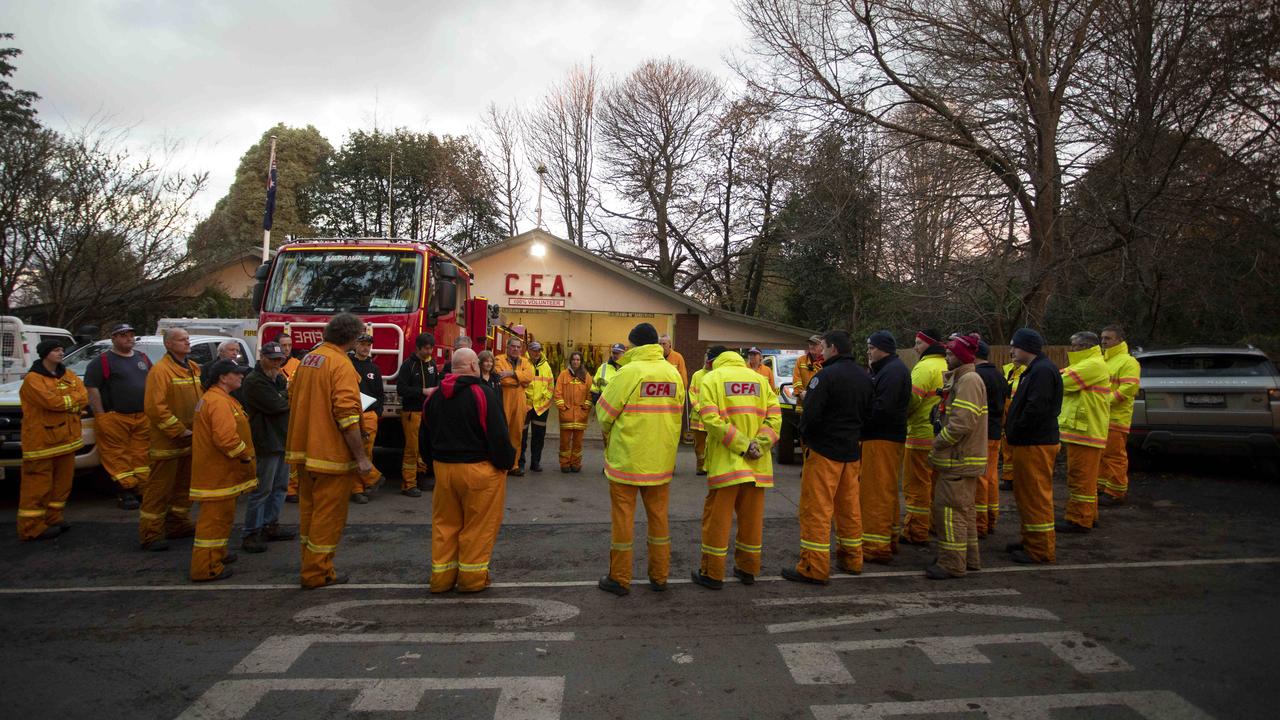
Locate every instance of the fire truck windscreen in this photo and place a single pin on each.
(333, 281)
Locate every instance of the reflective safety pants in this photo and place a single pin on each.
(1082, 483)
(122, 445)
(986, 503)
(369, 428)
(515, 424)
(213, 532)
(293, 481)
(747, 502)
(700, 448)
(535, 425)
(1113, 476)
(878, 492)
(955, 519)
(1033, 492)
(1006, 459)
(166, 501)
(322, 515)
(466, 514)
(571, 448)
(410, 464)
(622, 501)
(828, 489)
(46, 485)
(917, 490)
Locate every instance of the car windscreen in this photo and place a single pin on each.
(785, 366)
(78, 360)
(1205, 365)
(330, 281)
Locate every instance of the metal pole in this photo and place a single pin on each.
(266, 234)
(391, 195)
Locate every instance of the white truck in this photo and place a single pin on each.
(18, 341)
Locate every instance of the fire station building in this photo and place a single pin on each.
(570, 299)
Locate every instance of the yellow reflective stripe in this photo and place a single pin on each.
(348, 421)
(303, 539)
(1084, 498)
(66, 402)
(1038, 527)
(715, 551)
(202, 494)
(150, 516)
(946, 545)
(171, 421)
(870, 538)
(849, 542)
(946, 435)
(163, 454)
(179, 510)
(659, 540)
(183, 381)
(816, 547)
(294, 456)
(58, 505)
(31, 513)
(329, 465)
(914, 510)
(215, 543)
(746, 548)
(53, 451)
(237, 450)
(949, 524)
(320, 548)
(444, 567)
(620, 547)
(142, 471)
(467, 567)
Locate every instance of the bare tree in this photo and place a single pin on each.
(500, 138)
(559, 134)
(655, 129)
(26, 182)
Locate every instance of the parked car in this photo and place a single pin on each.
(784, 368)
(203, 348)
(1208, 400)
(18, 341)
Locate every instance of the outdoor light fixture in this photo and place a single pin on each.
(538, 250)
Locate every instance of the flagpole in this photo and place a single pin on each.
(266, 230)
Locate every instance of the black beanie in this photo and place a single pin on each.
(1028, 340)
(883, 340)
(47, 346)
(716, 351)
(643, 334)
(984, 350)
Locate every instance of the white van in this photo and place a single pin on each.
(18, 342)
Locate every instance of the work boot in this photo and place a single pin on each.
(226, 573)
(335, 580)
(291, 498)
(254, 542)
(610, 585)
(360, 498)
(1013, 547)
(64, 527)
(1106, 500)
(535, 467)
(935, 572)
(275, 534)
(908, 541)
(566, 470)
(412, 492)
(746, 577)
(878, 559)
(578, 469)
(1006, 484)
(156, 545)
(127, 500)
(796, 576)
(707, 582)
(656, 586)
(701, 472)
(518, 472)
(849, 570)
(183, 533)
(1022, 557)
(230, 558)
(1070, 528)
(49, 533)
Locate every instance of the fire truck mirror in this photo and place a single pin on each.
(444, 296)
(260, 285)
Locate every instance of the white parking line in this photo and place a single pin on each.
(871, 575)
(1153, 705)
(278, 653)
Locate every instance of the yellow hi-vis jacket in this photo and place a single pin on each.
(639, 413)
(222, 457)
(695, 382)
(1086, 399)
(1126, 375)
(736, 409)
(1013, 373)
(51, 413)
(926, 380)
(541, 389)
(604, 374)
(324, 400)
(169, 401)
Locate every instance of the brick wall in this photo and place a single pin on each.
(685, 341)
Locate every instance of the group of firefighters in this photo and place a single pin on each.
(939, 435)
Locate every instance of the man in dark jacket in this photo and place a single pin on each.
(416, 375)
(266, 398)
(837, 406)
(987, 499)
(464, 435)
(370, 384)
(883, 444)
(1031, 431)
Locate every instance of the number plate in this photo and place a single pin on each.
(1205, 400)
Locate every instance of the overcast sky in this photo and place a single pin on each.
(214, 76)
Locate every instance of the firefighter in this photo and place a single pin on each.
(604, 373)
(326, 446)
(1082, 426)
(117, 382)
(173, 389)
(222, 468)
(674, 357)
(883, 445)
(917, 474)
(266, 399)
(1126, 375)
(640, 415)
(695, 419)
(371, 385)
(285, 340)
(573, 401)
(514, 374)
(416, 375)
(538, 399)
(742, 419)
(755, 361)
(1031, 429)
(466, 439)
(840, 398)
(806, 367)
(52, 398)
(1012, 372)
(987, 499)
(960, 455)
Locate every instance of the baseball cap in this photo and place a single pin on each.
(535, 345)
(222, 367)
(815, 339)
(122, 328)
(753, 351)
(618, 347)
(365, 337)
(272, 350)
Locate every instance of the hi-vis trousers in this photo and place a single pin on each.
(411, 464)
(878, 491)
(213, 532)
(466, 514)
(122, 445)
(918, 476)
(622, 500)
(46, 485)
(954, 519)
(747, 501)
(322, 515)
(1082, 483)
(166, 501)
(987, 496)
(369, 428)
(1113, 476)
(1033, 492)
(828, 489)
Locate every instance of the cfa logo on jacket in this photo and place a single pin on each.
(313, 360)
(658, 390)
(742, 389)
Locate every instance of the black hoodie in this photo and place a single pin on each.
(892, 382)
(463, 422)
(1033, 415)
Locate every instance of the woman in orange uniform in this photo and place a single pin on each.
(222, 468)
(573, 398)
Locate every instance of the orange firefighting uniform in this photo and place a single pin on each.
(987, 497)
(918, 475)
(1126, 376)
(290, 367)
(1086, 407)
(573, 400)
(222, 469)
(878, 497)
(170, 403)
(766, 372)
(324, 400)
(737, 409)
(515, 404)
(50, 437)
(369, 429)
(122, 445)
(639, 413)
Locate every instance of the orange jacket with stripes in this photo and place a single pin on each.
(222, 457)
(170, 404)
(737, 407)
(1086, 399)
(324, 400)
(640, 413)
(51, 407)
(573, 400)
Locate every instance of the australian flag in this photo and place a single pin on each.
(271, 198)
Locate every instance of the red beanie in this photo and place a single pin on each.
(923, 336)
(964, 347)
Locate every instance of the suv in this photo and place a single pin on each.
(784, 368)
(203, 349)
(1210, 400)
